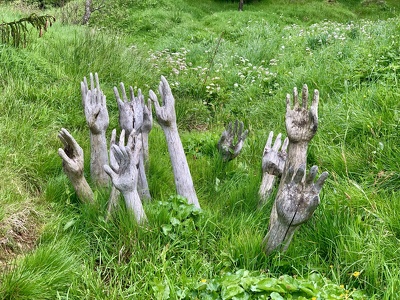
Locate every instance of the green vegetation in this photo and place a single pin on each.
(221, 65)
(15, 33)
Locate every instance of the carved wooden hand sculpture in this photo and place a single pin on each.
(231, 142)
(166, 117)
(125, 108)
(94, 104)
(125, 177)
(165, 114)
(295, 204)
(131, 117)
(273, 163)
(301, 126)
(297, 197)
(114, 195)
(73, 162)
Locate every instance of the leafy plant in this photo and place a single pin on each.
(182, 217)
(244, 284)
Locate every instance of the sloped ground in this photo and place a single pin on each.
(18, 234)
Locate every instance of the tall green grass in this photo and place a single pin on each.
(221, 65)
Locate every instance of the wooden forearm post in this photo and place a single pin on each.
(94, 104)
(72, 156)
(145, 130)
(297, 196)
(124, 174)
(166, 117)
(114, 195)
(135, 115)
(273, 163)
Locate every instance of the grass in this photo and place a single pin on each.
(221, 65)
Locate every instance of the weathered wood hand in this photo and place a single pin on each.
(166, 117)
(274, 157)
(95, 108)
(295, 204)
(301, 123)
(131, 117)
(231, 142)
(125, 108)
(144, 124)
(165, 114)
(73, 163)
(273, 163)
(125, 178)
(301, 126)
(297, 197)
(114, 195)
(94, 104)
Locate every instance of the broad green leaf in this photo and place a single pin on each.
(231, 291)
(208, 296)
(230, 279)
(161, 290)
(248, 282)
(308, 288)
(268, 284)
(276, 296)
(358, 295)
(174, 221)
(166, 228)
(212, 286)
(289, 283)
(201, 285)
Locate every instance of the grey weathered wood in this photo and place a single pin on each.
(273, 163)
(297, 196)
(295, 204)
(114, 195)
(73, 163)
(166, 117)
(95, 108)
(232, 139)
(125, 176)
(145, 130)
(132, 114)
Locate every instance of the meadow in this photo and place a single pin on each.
(222, 65)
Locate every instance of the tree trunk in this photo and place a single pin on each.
(88, 12)
(241, 5)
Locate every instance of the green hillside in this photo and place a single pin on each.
(222, 65)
